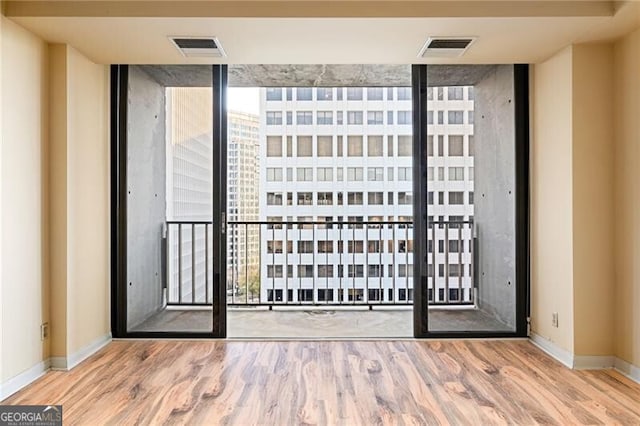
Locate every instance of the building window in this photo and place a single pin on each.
(274, 219)
(405, 271)
(374, 272)
(470, 146)
(325, 117)
(389, 93)
(405, 198)
(339, 92)
(405, 148)
(354, 198)
(430, 173)
(354, 174)
(305, 198)
(274, 174)
(404, 173)
(354, 146)
(355, 247)
(304, 174)
(471, 197)
(471, 173)
(389, 117)
(456, 145)
(305, 271)
(356, 271)
(455, 270)
(404, 117)
(289, 174)
(274, 118)
(274, 94)
(404, 93)
(430, 146)
(374, 146)
(325, 146)
(456, 117)
(354, 93)
(338, 117)
(455, 93)
(375, 117)
(304, 94)
(374, 246)
(440, 117)
(274, 146)
(325, 198)
(305, 144)
(354, 117)
(429, 93)
(325, 174)
(456, 197)
(278, 294)
(324, 94)
(390, 174)
(374, 94)
(274, 247)
(456, 173)
(375, 174)
(305, 246)
(429, 117)
(375, 198)
(304, 118)
(289, 118)
(470, 117)
(289, 146)
(390, 146)
(274, 198)
(325, 246)
(325, 271)
(274, 271)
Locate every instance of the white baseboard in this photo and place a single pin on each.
(65, 364)
(593, 362)
(23, 379)
(628, 369)
(18, 382)
(586, 362)
(561, 355)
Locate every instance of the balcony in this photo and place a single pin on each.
(321, 279)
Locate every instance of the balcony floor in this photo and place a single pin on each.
(324, 323)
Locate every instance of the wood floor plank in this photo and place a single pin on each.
(333, 383)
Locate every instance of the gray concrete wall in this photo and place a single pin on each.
(146, 174)
(494, 193)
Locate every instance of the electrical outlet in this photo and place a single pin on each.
(44, 331)
(554, 319)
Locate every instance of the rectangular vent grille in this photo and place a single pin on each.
(445, 47)
(195, 47)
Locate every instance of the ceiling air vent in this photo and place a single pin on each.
(198, 47)
(445, 47)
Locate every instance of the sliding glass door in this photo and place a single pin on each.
(472, 157)
(170, 200)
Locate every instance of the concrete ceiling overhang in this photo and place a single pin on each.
(323, 32)
(316, 75)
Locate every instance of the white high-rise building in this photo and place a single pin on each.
(345, 155)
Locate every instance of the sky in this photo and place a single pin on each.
(244, 99)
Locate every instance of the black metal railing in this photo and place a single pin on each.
(321, 263)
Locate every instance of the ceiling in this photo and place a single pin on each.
(323, 32)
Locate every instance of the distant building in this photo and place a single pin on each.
(345, 154)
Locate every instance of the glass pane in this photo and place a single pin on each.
(471, 240)
(169, 204)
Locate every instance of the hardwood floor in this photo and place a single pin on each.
(351, 383)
